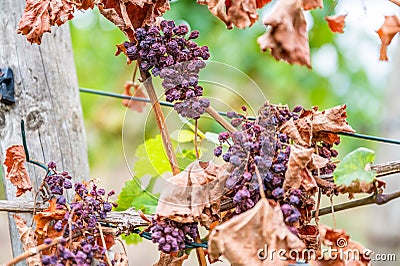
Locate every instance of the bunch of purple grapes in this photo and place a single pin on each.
(57, 182)
(326, 151)
(166, 52)
(92, 205)
(82, 253)
(258, 144)
(171, 236)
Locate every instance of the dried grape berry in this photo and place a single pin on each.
(165, 52)
(171, 236)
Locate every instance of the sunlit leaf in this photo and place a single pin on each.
(133, 195)
(132, 239)
(354, 167)
(152, 159)
(183, 135)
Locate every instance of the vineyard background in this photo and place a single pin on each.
(346, 70)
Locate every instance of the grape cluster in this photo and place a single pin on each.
(258, 144)
(192, 108)
(83, 253)
(326, 151)
(166, 52)
(57, 182)
(171, 235)
(91, 205)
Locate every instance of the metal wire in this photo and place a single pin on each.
(162, 103)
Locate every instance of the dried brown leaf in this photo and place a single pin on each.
(336, 23)
(120, 259)
(312, 4)
(170, 260)
(287, 39)
(292, 130)
(309, 234)
(27, 237)
(16, 171)
(241, 14)
(188, 193)
(361, 187)
(138, 92)
(313, 126)
(317, 162)
(297, 174)
(39, 16)
(129, 15)
(240, 238)
(44, 218)
(389, 29)
(108, 240)
(332, 120)
(343, 250)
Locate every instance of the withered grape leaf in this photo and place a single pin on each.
(170, 260)
(39, 16)
(287, 39)
(297, 173)
(300, 131)
(241, 14)
(336, 23)
(187, 194)
(16, 171)
(313, 4)
(314, 126)
(138, 92)
(43, 218)
(240, 238)
(27, 237)
(355, 166)
(343, 250)
(389, 29)
(129, 15)
(331, 120)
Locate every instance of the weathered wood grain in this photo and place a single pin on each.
(47, 98)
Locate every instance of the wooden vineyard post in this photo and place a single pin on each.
(46, 98)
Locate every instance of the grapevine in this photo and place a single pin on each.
(264, 184)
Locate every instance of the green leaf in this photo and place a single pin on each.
(132, 195)
(353, 167)
(132, 239)
(183, 135)
(152, 159)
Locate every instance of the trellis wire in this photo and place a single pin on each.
(147, 235)
(167, 104)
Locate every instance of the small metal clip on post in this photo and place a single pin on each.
(7, 86)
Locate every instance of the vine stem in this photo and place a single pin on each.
(33, 251)
(378, 199)
(162, 126)
(214, 114)
(148, 84)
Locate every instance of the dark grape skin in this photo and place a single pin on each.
(166, 52)
(171, 236)
(272, 168)
(94, 204)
